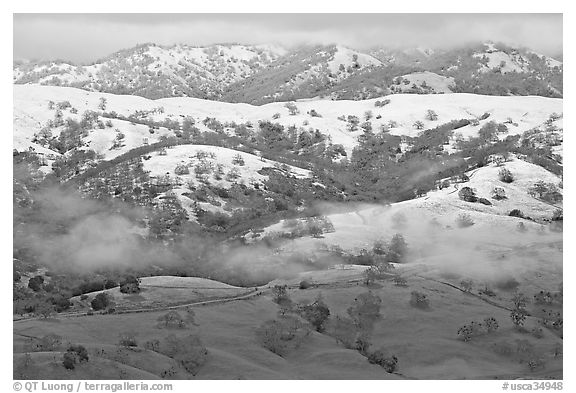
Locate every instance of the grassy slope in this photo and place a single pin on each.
(424, 341)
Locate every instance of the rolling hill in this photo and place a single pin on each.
(259, 74)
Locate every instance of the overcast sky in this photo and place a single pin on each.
(87, 37)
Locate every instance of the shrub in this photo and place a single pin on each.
(543, 298)
(516, 213)
(389, 363)
(370, 275)
(188, 351)
(365, 311)
(304, 284)
(181, 169)
(418, 125)
(505, 176)
(379, 247)
(382, 103)
(130, 284)
(467, 194)
(109, 283)
(397, 250)
(172, 319)
(464, 220)
(431, 115)
(36, 283)
(498, 193)
(233, 174)
(467, 332)
(74, 354)
(558, 215)
(292, 108)
(280, 293)
(352, 123)
(362, 343)
(367, 127)
(419, 300)
(519, 300)
(536, 365)
(484, 201)
(313, 113)
(100, 301)
(518, 317)
(316, 313)
(491, 324)
(282, 335)
(547, 192)
(238, 160)
(69, 361)
(60, 302)
(102, 104)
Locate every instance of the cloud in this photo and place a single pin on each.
(87, 37)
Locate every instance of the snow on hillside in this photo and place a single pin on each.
(359, 229)
(173, 71)
(31, 112)
(348, 57)
(309, 72)
(218, 160)
(223, 63)
(188, 155)
(428, 82)
(503, 61)
(404, 109)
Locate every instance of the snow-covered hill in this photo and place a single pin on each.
(423, 83)
(260, 74)
(157, 71)
(190, 166)
(360, 228)
(31, 114)
(302, 73)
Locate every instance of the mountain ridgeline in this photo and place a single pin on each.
(259, 74)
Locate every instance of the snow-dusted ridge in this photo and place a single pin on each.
(31, 113)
